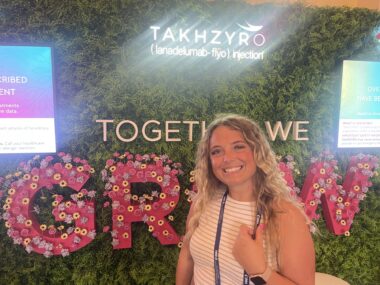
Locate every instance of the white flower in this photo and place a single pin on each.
(65, 252)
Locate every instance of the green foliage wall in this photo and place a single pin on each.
(101, 73)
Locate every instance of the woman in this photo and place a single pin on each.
(243, 226)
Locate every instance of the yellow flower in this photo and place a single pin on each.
(171, 218)
(35, 178)
(172, 204)
(312, 203)
(153, 174)
(8, 201)
(159, 178)
(329, 180)
(192, 173)
(143, 166)
(366, 165)
(126, 190)
(180, 244)
(315, 185)
(343, 222)
(135, 197)
(77, 230)
(340, 199)
(187, 191)
(347, 203)
(162, 195)
(64, 236)
(113, 168)
(11, 191)
(165, 233)
(61, 227)
(120, 218)
(62, 215)
(28, 223)
(80, 168)
(80, 195)
(68, 204)
(7, 224)
(68, 166)
(83, 232)
(33, 186)
(148, 207)
(151, 228)
(27, 241)
(26, 176)
(160, 222)
(177, 188)
(339, 212)
(322, 190)
(152, 218)
(322, 171)
(125, 183)
(76, 216)
(6, 207)
(43, 227)
(130, 208)
(125, 235)
(63, 183)
(347, 233)
(57, 176)
(356, 188)
(55, 203)
(115, 188)
(92, 170)
(25, 201)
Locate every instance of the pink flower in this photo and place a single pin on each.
(106, 229)
(76, 159)
(24, 232)
(109, 162)
(35, 171)
(106, 204)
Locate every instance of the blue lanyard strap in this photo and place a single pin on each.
(217, 242)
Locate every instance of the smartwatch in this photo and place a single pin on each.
(261, 279)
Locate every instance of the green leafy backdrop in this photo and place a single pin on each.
(102, 72)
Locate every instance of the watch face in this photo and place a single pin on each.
(258, 280)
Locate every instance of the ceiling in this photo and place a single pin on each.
(370, 4)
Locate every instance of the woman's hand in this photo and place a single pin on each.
(249, 252)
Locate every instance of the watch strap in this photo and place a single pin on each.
(262, 278)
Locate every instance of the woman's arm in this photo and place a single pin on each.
(296, 252)
(185, 265)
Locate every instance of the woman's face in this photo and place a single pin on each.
(232, 159)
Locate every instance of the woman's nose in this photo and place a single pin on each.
(228, 155)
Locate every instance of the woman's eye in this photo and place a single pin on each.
(240, 146)
(215, 152)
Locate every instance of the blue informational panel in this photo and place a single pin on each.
(359, 120)
(26, 100)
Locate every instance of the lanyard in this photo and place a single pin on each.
(217, 242)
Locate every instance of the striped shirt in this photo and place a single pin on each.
(202, 242)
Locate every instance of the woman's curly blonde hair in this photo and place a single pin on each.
(270, 186)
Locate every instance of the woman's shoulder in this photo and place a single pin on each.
(289, 214)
